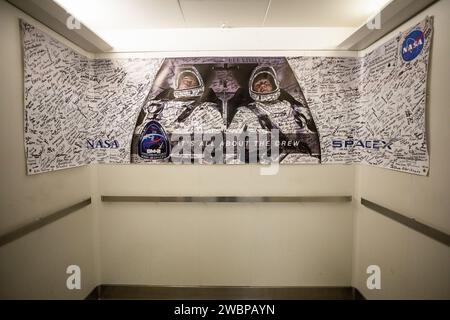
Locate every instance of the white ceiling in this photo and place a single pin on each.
(321, 13)
(149, 14)
(189, 25)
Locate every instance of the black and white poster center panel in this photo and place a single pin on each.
(227, 110)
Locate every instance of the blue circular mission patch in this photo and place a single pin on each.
(413, 45)
(153, 142)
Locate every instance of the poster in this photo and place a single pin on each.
(227, 110)
(231, 105)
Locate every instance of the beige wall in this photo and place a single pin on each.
(226, 244)
(35, 266)
(412, 265)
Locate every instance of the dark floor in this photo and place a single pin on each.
(224, 293)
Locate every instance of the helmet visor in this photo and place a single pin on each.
(187, 80)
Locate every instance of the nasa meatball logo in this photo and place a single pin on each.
(153, 142)
(413, 45)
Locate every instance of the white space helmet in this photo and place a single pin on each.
(192, 75)
(264, 85)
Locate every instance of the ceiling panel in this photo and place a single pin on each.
(148, 14)
(321, 13)
(232, 13)
(126, 14)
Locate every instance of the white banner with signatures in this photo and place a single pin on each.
(227, 110)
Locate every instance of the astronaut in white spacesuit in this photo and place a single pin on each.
(271, 108)
(186, 109)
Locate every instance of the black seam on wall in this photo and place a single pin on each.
(431, 232)
(41, 222)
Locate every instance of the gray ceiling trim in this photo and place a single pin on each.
(55, 17)
(392, 16)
